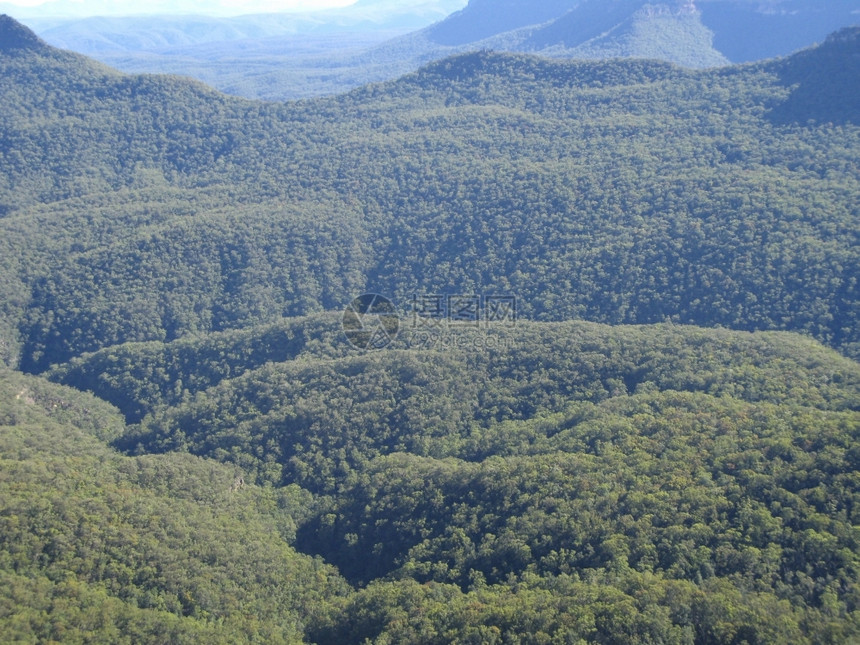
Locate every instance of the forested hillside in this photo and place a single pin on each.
(146, 208)
(657, 443)
(100, 548)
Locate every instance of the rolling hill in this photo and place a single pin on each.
(606, 484)
(97, 547)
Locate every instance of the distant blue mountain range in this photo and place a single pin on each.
(743, 30)
(287, 56)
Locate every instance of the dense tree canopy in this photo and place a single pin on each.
(96, 547)
(660, 447)
(148, 208)
(586, 482)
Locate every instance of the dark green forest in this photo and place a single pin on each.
(661, 446)
(142, 208)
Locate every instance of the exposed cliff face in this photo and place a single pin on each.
(741, 30)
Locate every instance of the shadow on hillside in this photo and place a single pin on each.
(824, 82)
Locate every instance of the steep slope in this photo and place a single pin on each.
(17, 38)
(585, 29)
(656, 32)
(584, 22)
(148, 208)
(742, 31)
(822, 82)
(703, 34)
(591, 29)
(482, 19)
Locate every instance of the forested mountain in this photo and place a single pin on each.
(584, 29)
(704, 33)
(657, 444)
(147, 208)
(749, 31)
(287, 56)
(742, 31)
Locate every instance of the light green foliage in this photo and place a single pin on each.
(96, 547)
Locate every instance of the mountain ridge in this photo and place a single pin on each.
(493, 19)
(15, 37)
(703, 34)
